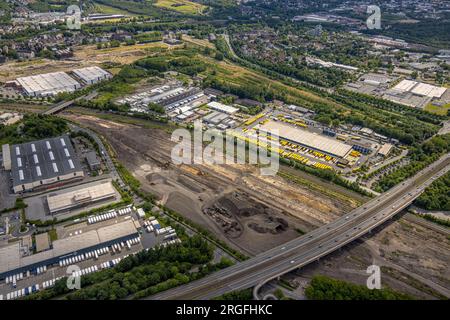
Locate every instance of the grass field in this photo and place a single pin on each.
(199, 42)
(235, 74)
(122, 54)
(102, 8)
(438, 110)
(182, 6)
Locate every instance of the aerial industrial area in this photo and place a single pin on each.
(94, 95)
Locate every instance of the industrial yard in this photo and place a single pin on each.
(95, 243)
(51, 84)
(199, 192)
(71, 201)
(224, 150)
(300, 138)
(389, 249)
(395, 88)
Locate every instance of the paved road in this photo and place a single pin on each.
(312, 246)
(403, 154)
(104, 153)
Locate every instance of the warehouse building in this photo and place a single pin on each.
(214, 118)
(217, 106)
(92, 75)
(43, 164)
(49, 84)
(93, 161)
(420, 89)
(385, 149)
(307, 139)
(364, 148)
(64, 202)
(13, 262)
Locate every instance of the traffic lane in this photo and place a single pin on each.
(408, 186)
(331, 245)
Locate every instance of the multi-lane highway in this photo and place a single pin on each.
(312, 246)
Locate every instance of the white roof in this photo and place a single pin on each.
(141, 212)
(424, 89)
(71, 198)
(419, 88)
(38, 171)
(405, 85)
(222, 107)
(48, 84)
(306, 138)
(91, 73)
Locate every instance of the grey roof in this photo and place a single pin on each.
(55, 157)
(92, 159)
(91, 73)
(11, 258)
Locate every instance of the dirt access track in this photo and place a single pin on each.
(413, 259)
(250, 212)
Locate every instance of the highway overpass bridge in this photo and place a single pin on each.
(312, 246)
(65, 104)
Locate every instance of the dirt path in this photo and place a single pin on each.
(263, 211)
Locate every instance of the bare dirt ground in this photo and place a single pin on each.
(413, 259)
(251, 212)
(84, 56)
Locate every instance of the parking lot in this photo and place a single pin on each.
(90, 261)
(303, 154)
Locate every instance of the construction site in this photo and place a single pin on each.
(234, 202)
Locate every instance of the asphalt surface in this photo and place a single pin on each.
(312, 246)
(103, 153)
(63, 105)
